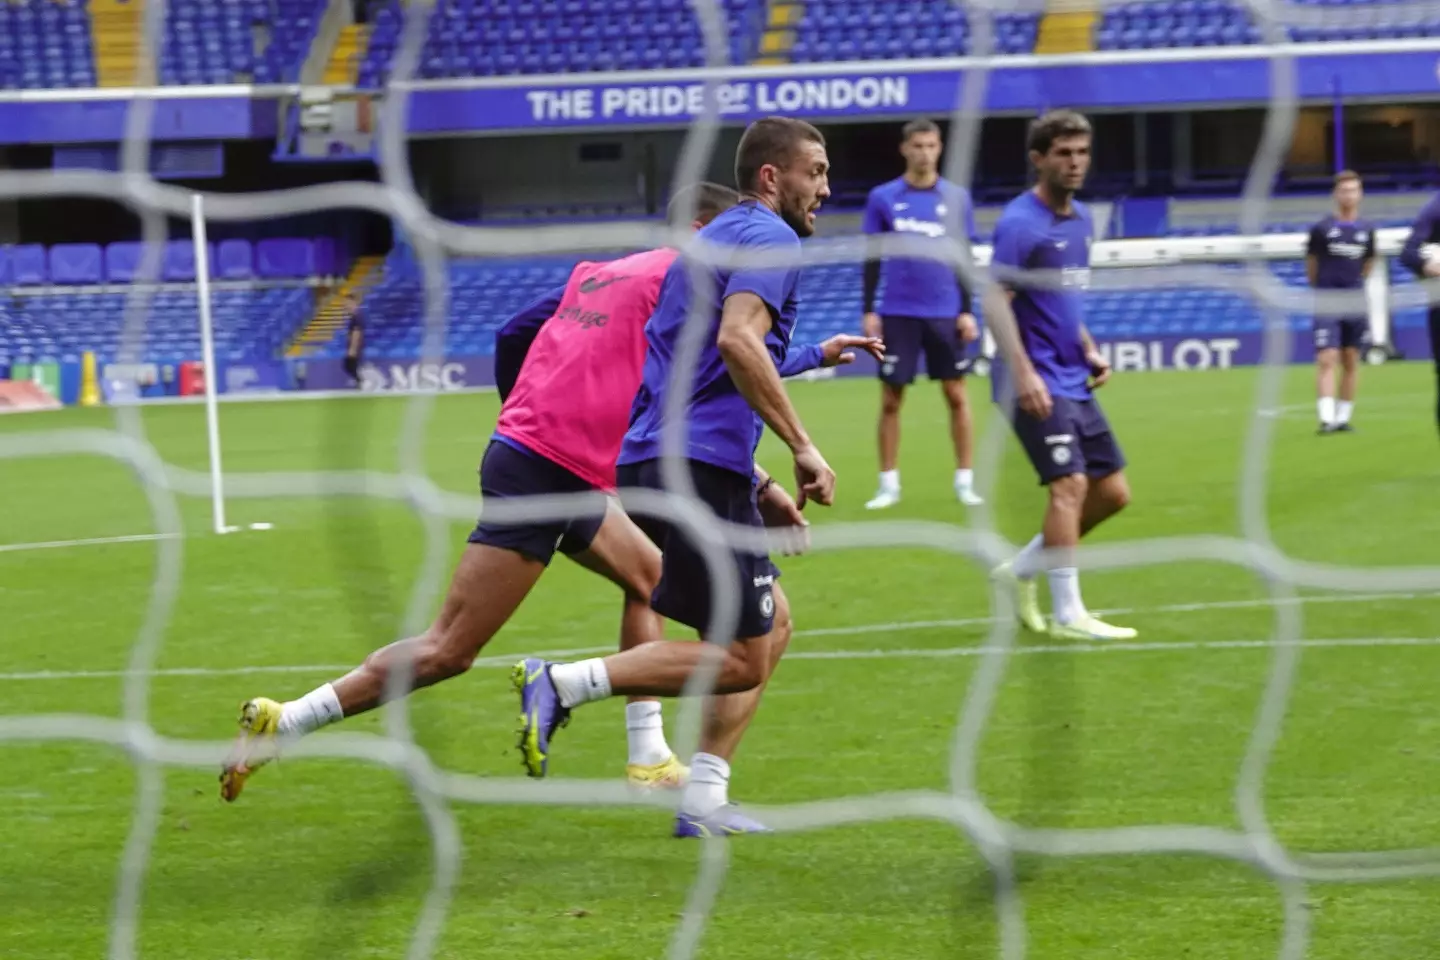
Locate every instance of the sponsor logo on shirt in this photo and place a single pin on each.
(912, 225)
(591, 284)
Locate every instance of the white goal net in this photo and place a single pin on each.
(1241, 269)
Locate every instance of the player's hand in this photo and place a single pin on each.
(968, 329)
(1099, 369)
(837, 350)
(778, 509)
(1032, 395)
(870, 325)
(814, 480)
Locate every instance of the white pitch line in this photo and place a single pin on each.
(903, 653)
(1118, 611)
(89, 542)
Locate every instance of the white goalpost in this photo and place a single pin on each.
(207, 349)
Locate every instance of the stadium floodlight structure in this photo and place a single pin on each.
(999, 842)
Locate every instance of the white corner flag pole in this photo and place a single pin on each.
(207, 346)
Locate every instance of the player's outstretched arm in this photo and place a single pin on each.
(835, 352)
(1412, 255)
(744, 321)
(513, 340)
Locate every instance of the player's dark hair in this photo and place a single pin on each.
(772, 140)
(709, 199)
(1055, 125)
(918, 125)
(1345, 176)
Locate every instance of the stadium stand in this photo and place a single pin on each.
(1209, 23)
(502, 37)
(47, 44)
(248, 323)
(892, 29)
(63, 300)
(44, 45)
(237, 41)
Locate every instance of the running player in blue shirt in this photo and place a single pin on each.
(1339, 256)
(782, 171)
(1421, 255)
(1046, 370)
(923, 307)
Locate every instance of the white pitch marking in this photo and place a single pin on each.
(89, 542)
(1120, 611)
(918, 653)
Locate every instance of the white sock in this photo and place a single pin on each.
(1026, 563)
(1343, 410)
(889, 481)
(646, 733)
(1326, 408)
(320, 707)
(965, 479)
(581, 682)
(709, 786)
(1065, 595)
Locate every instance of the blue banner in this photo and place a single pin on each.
(52, 119)
(1241, 76)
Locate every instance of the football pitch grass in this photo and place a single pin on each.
(326, 858)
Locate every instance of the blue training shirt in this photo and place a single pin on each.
(911, 287)
(722, 430)
(1031, 236)
(1340, 248)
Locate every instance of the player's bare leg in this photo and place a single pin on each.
(1349, 375)
(1077, 505)
(1325, 387)
(961, 432)
(728, 717)
(892, 400)
(623, 554)
(487, 587)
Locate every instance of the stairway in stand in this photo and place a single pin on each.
(332, 316)
(116, 28)
(350, 48)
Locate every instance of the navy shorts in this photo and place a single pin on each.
(507, 472)
(906, 338)
(684, 592)
(1343, 332)
(1075, 438)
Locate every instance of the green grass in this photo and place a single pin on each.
(331, 858)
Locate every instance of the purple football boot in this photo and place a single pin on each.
(724, 822)
(541, 713)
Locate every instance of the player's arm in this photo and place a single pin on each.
(513, 340)
(1369, 263)
(1313, 245)
(1007, 261)
(872, 223)
(835, 352)
(745, 319)
(1420, 233)
(1099, 366)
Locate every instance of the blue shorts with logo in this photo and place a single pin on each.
(1075, 438)
(907, 338)
(1342, 332)
(685, 592)
(510, 470)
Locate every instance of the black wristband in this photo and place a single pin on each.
(761, 489)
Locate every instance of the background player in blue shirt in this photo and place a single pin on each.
(1046, 369)
(923, 305)
(749, 306)
(1421, 254)
(1339, 255)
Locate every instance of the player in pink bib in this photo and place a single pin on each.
(567, 367)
